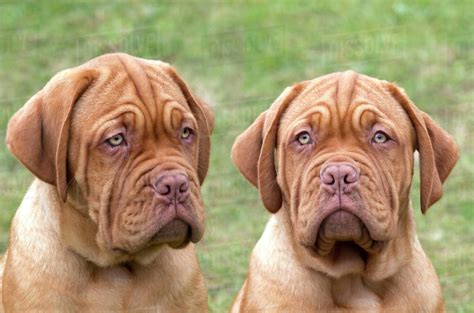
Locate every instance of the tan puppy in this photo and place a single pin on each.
(120, 147)
(342, 238)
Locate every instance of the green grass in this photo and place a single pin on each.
(240, 56)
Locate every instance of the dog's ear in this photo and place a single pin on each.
(246, 149)
(253, 151)
(438, 151)
(38, 133)
(204, 117)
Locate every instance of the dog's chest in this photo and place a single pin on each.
(118, 288)
(351, 292)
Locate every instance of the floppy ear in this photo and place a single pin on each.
(246, 150)
(253, 151)
(38, 133)
(205, 120)
(438, 151)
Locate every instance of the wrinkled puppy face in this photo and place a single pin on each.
(344, 147)
(137, 151)
(345, 159)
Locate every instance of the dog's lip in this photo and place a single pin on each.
(341, 226)
(174, 214)
(176, 233)
(367, 241)
(357, 234)
(185, 213)
(329, 212)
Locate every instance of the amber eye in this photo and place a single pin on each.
(304, 138)
(116, 140)
(380, 137)
(185, 133)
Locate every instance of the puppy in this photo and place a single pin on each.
(120, 147)
(333, 160)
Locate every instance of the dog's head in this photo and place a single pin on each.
(127, 145)
(337, 153)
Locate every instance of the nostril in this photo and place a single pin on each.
(330, 180)
(347, 180)
(351, 178)
(327, 177)
(184, 187)
(163, 189)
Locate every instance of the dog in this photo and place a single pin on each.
(119, 147)
(333, 160)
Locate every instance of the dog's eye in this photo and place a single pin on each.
(186, 132)
(116, 140)
(380, 137)
(304, 138)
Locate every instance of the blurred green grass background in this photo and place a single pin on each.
(239, 55)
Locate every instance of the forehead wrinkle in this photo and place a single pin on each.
(319, 90)
(110, 117)
(169, 107)
(168, 86)
(319, 86)
(305, 107)
(325, 91)
(297, 116)
(160, 105)
(170, 92)
(324, 115)
(359, 110)
(103, 95)
(321, 109)
(368, 95)
(142, 87)
(373, 93)
(344, 94)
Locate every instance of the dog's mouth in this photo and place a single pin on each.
(175, 233)
(342, 232)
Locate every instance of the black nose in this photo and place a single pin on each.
(339, 177)
(173, 185)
